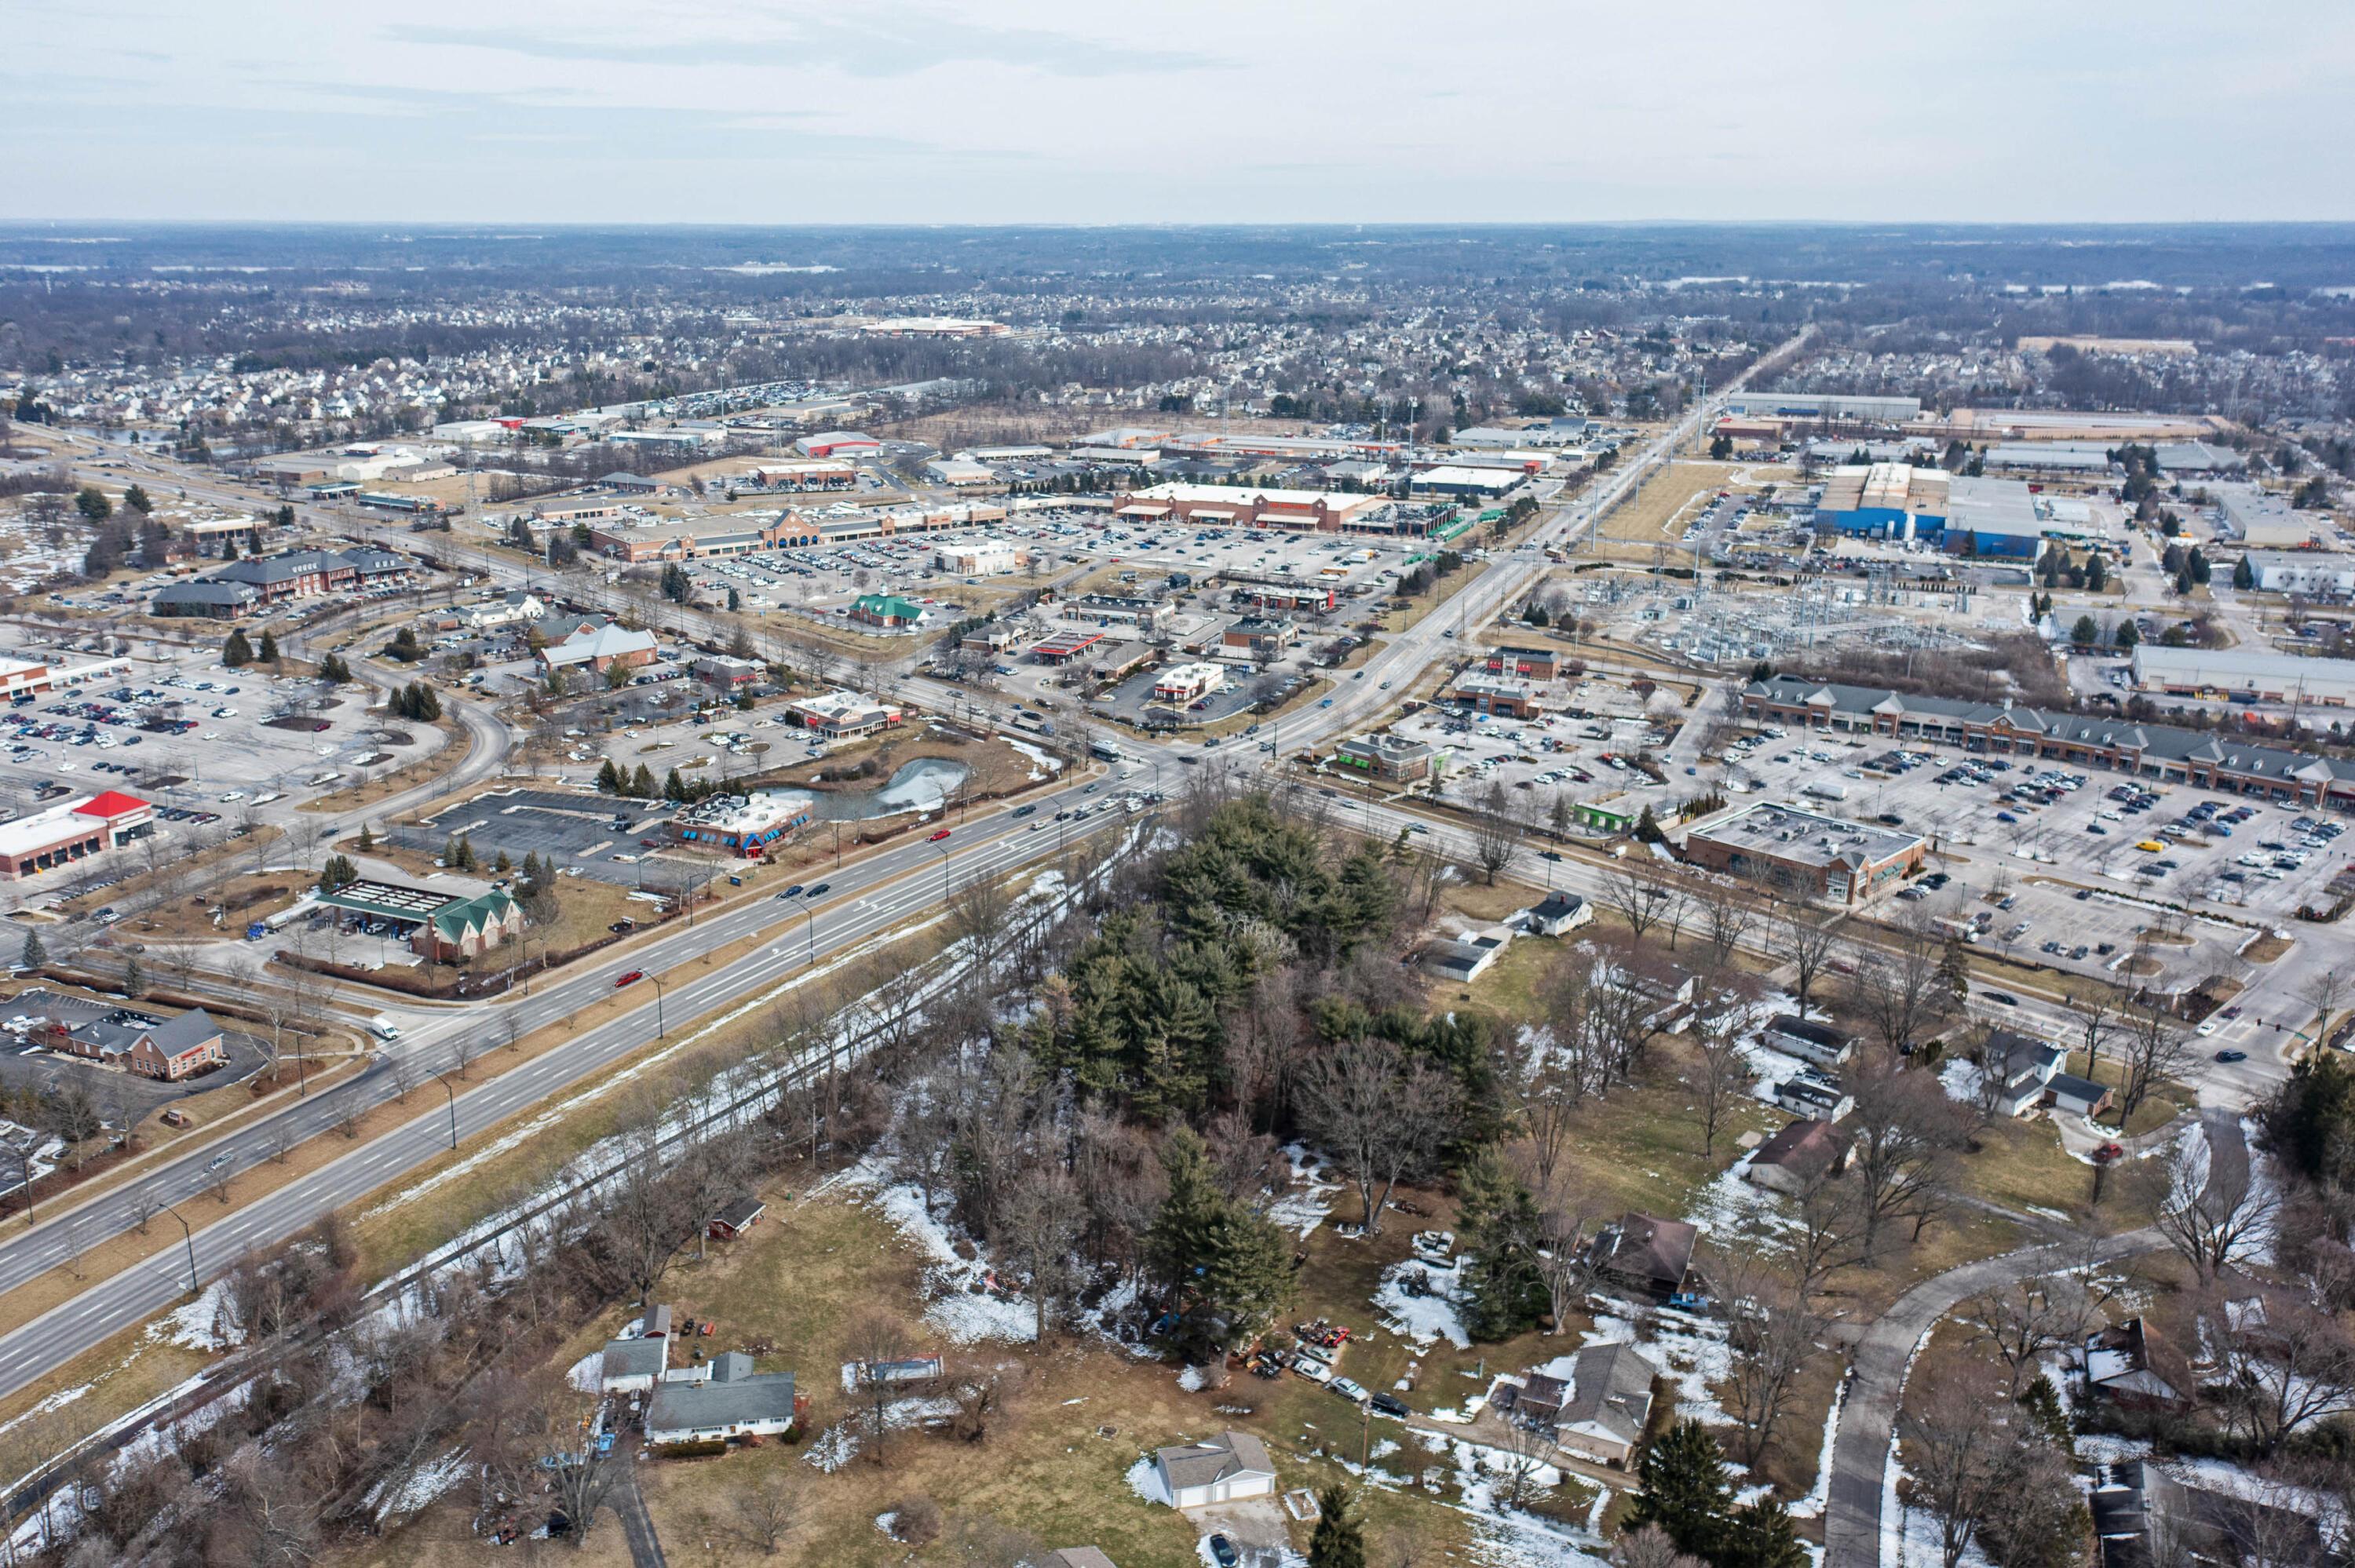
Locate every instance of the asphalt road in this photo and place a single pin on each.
(867, 897)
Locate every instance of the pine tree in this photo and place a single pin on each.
(450, 850)
(465, 853)
(609, 778)
(35, 954)
(1759, 1535)
(2128, 634)
(368, 839)
(503, 865)
(2085, 633)
(674, 787)
(1228, 1270)
(1340, 1538)
(1503, 1294)
(2244, 576)
(135, 980)
(1647, 828)
(642, 783)
(2097, 575)
(269, 650)
(236, 651)
(1685, 1489)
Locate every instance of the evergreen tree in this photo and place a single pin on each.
(1503, 1293)
(229, 547)
(503, 865)
(1647, 828)
(2042, 1403)
(465, 853)
(92, 504)
(134, 979)
(1340, 1538)
(334, 671)
(1226, 1269)
(2183, 583)
(609, 778)
(237, 651)
(1759, 1535)
(2085, 633)
(450, 850)
(1685, 1490)
(268, 651)
(368, 839)
(674, 788)
(339, 871)
(2128, 634)
(2197, 565)
(735, 599)
(2097, 575)
(2244, 576)
(35, 954)
(137, 499)
(642, 783)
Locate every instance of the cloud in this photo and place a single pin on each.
(877, 44)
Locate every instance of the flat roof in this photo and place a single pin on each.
(2157, 658)
(390, 898)
(1807, 837)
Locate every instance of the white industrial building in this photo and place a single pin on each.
(2261, 520)
(2309, 572)
(2266, 677)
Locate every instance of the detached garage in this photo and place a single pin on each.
(1231, 1465)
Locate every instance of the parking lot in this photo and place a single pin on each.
(187, 734)
(612, 839)
(1586, 749)
(2051, 833)
(123, 1095)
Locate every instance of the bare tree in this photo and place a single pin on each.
(1722, 1077)
(1774, 1336)
(2286, 1364)
(1495, 837)
(1641, 898)
(580, 1477)
(1956, 1457)
(1904, 1132)
(1650, 1548)
(1899, 989)
(1796, 938)
(2151, 1051)
(1727, 917)
(2096, 1014)
(1382, 1116)
(876, 1339)
(2024, 1319)
(1041, 1221)
(762, 1512)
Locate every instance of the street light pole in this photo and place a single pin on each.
(660, 1032)
(809, 925)
(189, 1238)
(453, 1107)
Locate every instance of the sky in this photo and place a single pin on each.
(1142, 111)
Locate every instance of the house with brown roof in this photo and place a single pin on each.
(2129, 1365)
(1796, 1160)
(1649, 1256)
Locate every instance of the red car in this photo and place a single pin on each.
(2109, 1151)
(938, 836)
(631, 979)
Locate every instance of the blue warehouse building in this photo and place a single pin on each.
(1898, 503)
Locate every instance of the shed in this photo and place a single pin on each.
(736, 1218)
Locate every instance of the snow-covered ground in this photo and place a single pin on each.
(1422, 1321)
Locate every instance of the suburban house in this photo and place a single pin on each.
(599, 648)
(2026, 1067)
(1816, 1043)
(1597, 1413)
(513, 607)
(736, 1219)
(1078, 1557)
(152, 1047)
(1649, 1256)
(2130, 1366)
(733, 1401)
(1795, 1159)
(1560, 912)
(1814, 1094)
(1231, 1465)
(467, 928)
(2144, 1518)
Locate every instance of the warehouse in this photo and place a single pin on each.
(1823, 406)
(1830, 858)
(2246, 675)
(2261, 520)
(1883, 500)
(2059, 460)
(836, 443)
(957, 471)
(1459, 479)
(2307, 572)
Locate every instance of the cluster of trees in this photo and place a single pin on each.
(338, 873)
(334, 671)
(415, 701)
(405, 647)
(615, 780)
(237, 653)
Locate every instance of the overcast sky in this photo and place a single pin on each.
(1053, 110)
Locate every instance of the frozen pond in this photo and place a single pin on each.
(916, 786)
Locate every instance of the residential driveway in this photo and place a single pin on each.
(1255, 1525)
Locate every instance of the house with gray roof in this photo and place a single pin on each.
(1231, 1465)
(735, 1402)
(1601, 1417)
